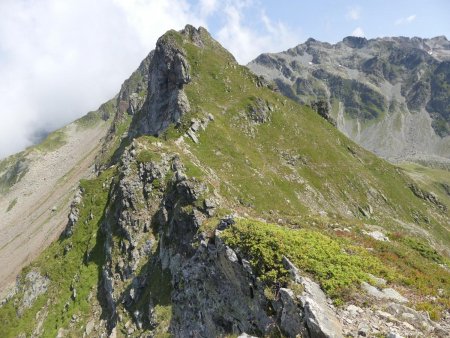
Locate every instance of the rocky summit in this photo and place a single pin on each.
(390, 95)
(213, 206)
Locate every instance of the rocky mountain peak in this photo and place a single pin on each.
(355, 41)
(311, 41)
(196, 35)
(166, 101)
(168, 73)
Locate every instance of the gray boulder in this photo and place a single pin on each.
(320, 319)
(387, 293)
(377, 235)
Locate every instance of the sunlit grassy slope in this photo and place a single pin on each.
(295, 163)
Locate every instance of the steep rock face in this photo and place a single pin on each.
(214, 295)
(390, 95)
(133, 91)
(166, 100)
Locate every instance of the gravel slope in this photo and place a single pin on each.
(43, 197)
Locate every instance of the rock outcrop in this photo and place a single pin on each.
(390, 319)
(427, 196)
(73, 214)
(32, 286)
(214, 294)
(213, 289)
(386, 293)
(166, 100)
(319, 317)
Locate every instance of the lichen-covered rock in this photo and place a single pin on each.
(291, 314)
(33, 286)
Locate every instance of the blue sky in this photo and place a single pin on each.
(61, 59)
(332, 20)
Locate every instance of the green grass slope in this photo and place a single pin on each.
(293, 164)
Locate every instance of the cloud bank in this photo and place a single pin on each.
(61, 59)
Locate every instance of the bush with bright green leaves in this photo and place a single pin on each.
(338, 266)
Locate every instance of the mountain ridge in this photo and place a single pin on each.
(238, 213)
(387, 94)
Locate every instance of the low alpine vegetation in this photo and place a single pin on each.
(338, 266)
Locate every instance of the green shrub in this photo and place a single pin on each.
(337, 266)
(424, 249)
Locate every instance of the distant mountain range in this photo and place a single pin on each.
(390, 95)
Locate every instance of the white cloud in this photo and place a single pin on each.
(208, 7)
(246, 42)
(358, 31)
(151, 19)
(354, 13)
(406, 20)
(60, 59)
